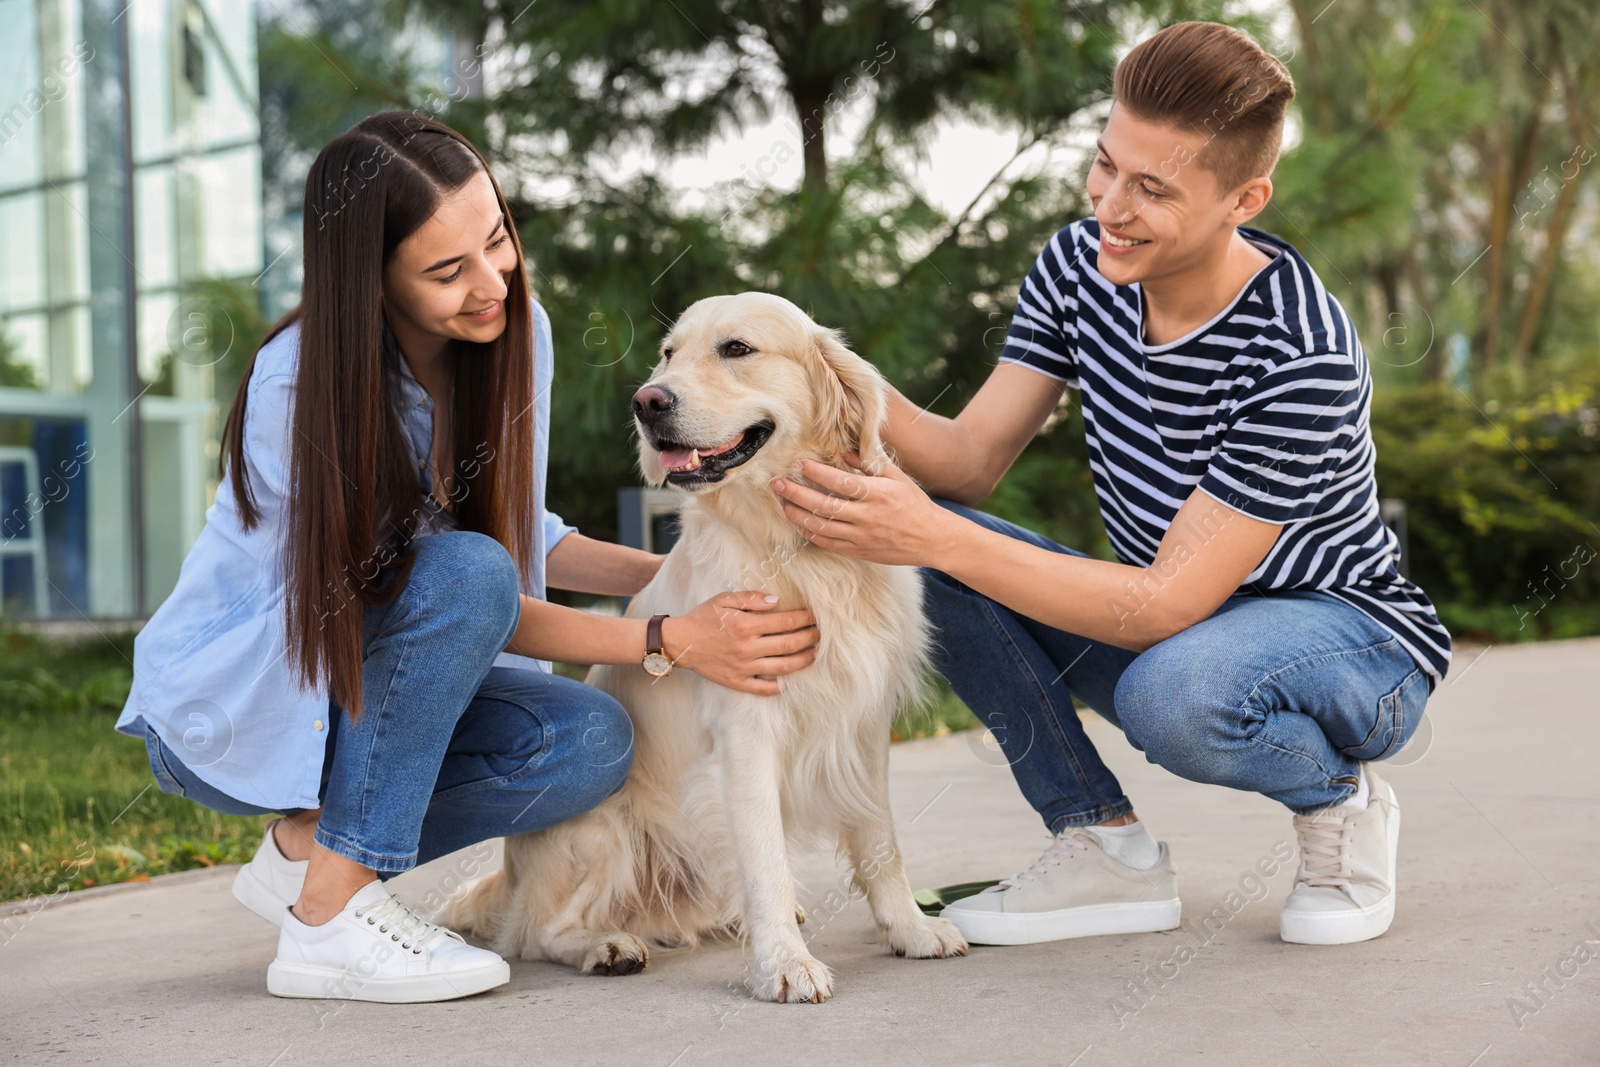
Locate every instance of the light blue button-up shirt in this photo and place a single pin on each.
(210, 673)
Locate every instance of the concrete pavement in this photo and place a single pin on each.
(1488, 961)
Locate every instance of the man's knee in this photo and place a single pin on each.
(936, 584)
(957, 507)
(955, 613)
(983, 518)
(1009, 529)
(1172, 707)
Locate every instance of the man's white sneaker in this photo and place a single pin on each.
(269, 883)
(1074, 890)
(377, 948)
(1344, 890)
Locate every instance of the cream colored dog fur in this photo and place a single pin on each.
(724, 784)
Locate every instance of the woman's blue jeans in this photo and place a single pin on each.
(1281, 694)
(449, 750)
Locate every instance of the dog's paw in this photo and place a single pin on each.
(617, 953)
(928, 939)
(795, 980)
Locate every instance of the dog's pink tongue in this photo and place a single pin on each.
(676, 458)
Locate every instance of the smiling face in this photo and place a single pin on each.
(449, 279)
(1161, 213)
(746, 385)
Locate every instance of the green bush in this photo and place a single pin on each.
(1501, 501)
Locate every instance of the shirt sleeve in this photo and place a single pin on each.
(555, 528)
(1044, 329)
(268, 417)
(1289, 438)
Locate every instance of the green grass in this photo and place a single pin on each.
(78, 806)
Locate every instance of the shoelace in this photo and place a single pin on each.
(392, 916)
(1324, 849)
(1072, 839)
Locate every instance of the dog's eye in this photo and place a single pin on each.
(733, 349)
(666, 353)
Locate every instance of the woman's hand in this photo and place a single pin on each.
(740, 641)
(885, 518)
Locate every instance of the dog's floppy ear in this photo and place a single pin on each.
(852, 403)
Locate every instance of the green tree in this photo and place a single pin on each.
(14, 374)
(922, 293)
(1434, 186)
(1446, 147)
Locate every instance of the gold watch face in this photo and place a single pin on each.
(657, 664)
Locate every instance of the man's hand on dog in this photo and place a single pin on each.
(882, 518)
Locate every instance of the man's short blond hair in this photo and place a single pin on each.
(1209, 79)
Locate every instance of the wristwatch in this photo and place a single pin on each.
(655, 657)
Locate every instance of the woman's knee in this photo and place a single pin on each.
(573, 754)
(599, 745)
(478, 573)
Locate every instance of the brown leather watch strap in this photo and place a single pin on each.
(652, 635)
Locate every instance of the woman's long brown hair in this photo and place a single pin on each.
(354, 498)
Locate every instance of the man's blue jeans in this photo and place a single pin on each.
(449, 750)
(1280, 694)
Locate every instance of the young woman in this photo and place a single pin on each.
(359, 638)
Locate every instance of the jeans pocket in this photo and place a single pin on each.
(1399, 712)
(158, 765)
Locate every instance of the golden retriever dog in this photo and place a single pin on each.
(724, 784)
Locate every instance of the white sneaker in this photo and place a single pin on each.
(1344, 890)
(1074, 890)
(378, 949)
(269, 883)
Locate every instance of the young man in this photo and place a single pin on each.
(1256, 632)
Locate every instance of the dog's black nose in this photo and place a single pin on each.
(651, 403)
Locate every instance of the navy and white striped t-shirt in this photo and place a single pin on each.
(1264, 408)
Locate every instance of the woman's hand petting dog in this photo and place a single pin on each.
(883, 518)
(737, 640)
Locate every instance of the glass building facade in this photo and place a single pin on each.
(130, 176)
